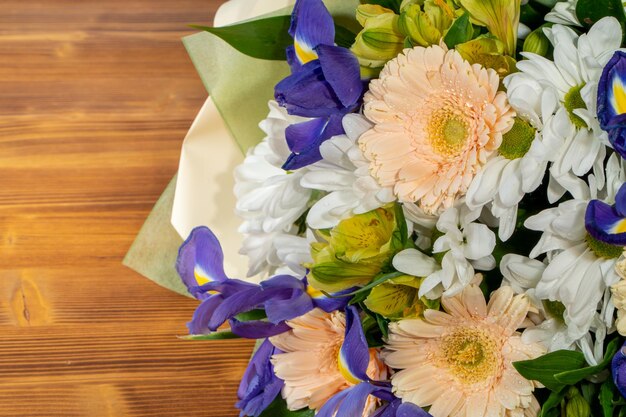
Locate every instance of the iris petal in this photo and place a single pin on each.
(311, 25)
(259, 385)
(347, 403)
(354, 353)
(306, 93)
(411, 410)
(620, 201)
(396, 408)
(342, 71)
(199, 323)
(257, 329)
(305, 139)
(200, 258)
(244, 301)
(612, 101)
(329, 304)
(605, 223)
(618, 369)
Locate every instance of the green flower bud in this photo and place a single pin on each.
(355, 251)
(364, 12)
(398, 298)
(379, 41)
(537, 42)
(425, 24)
(576, 405)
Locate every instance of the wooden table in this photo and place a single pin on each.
(95, 99)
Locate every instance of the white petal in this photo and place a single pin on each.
(414, 262)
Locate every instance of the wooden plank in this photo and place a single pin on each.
(95, 99)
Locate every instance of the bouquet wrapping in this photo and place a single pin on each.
(433, 212)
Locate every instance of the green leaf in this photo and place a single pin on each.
(545, 367)
(461, 31)
(278, 408)
(383, 325)
(344, 37)
(263, 39)
(530, 16)
(379, 280)
(606, 398)
(590, 11)
(401, 224)
(252, 315)
(267, 38)
(548, 407)
(575, 376)
(226, 334)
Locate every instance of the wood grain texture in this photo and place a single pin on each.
(95, 99)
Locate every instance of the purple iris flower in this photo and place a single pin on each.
(607, 223)
(200, 265)
(325, 83)
(618, 369)
(612, 101)
(259, 385)
(354, 359)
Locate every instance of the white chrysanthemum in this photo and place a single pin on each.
(564, 13)
(344, 174)
(269, 199)
(276, 253)
(550, 326)
(580, 269)
(523, 156)
(573, 75)
(465, 246)
(619, 295)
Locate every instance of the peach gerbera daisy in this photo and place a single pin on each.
(437, 119)
(310, 364)
(459, 362)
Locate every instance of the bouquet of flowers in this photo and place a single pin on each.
(436, 216)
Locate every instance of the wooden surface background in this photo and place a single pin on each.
(95, 99)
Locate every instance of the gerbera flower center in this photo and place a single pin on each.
(574, 100)
(517, 141)
(448, 132)
(602, 249)
(471, 354)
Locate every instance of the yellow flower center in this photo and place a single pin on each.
(574, 100)
(602, 249)
(470, 354)
(448, 132)
(517, 141)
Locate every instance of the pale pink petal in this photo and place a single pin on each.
(436, 150)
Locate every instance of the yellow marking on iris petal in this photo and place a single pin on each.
(313, 292)
(200, 279)
(618, 100)
(344, 371)
(619, 227)
(304, 53)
